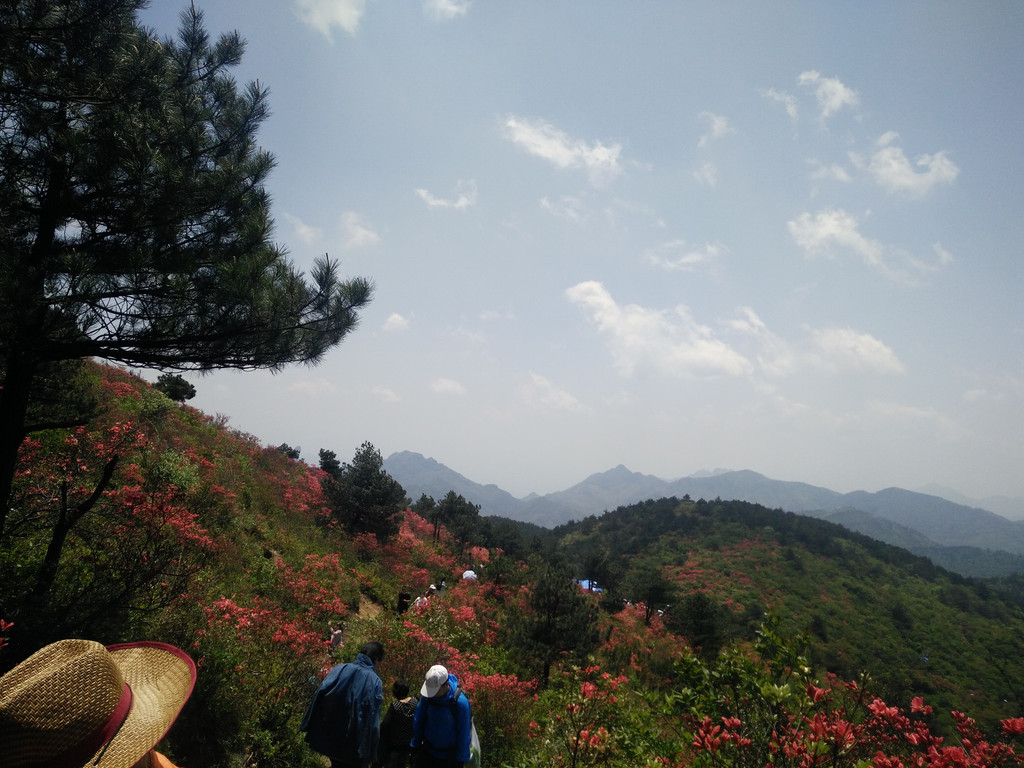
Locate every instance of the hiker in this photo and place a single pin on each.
(442, 723)
(469, 573)
(396, 728)
(343, 719)
(404, 598)
(337, 635)
(424, 600)
(75, 703)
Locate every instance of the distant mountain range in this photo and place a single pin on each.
(959, 536)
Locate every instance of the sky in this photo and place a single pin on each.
(777, 236)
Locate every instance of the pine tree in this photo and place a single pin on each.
(364, 497)
(560, 620)
(134, 222)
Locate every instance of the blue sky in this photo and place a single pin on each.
(779, 236)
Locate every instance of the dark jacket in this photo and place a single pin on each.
(396, 728)
(444, 733)
(343, 719)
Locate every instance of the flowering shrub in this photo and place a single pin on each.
(589, 717)
(5, 626)
(766, 708)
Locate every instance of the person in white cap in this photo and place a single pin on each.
(77, 703)
(442, 723)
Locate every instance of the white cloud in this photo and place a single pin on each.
(831, 94)
(318, 386)
(444, 386)
(974, 395)
(718, 126)
(910, 414)
(707, 174)
(473, 337)
(465, 197)
(893, 171)
(544, 140)
(543, 392)
(669, 342)
(567, 207)
(847, 349)
(306, 233)
(786, 99)
(945, 257)
(828, 349)
(446, 9)
(677, 255)
(324, 15)
(385, 395)
(357, 233)
(775, 356)
(832, 172)
(835, 227)
(396, 322)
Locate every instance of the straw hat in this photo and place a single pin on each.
(76, 703)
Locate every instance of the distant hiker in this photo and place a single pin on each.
(443, 722)
(423, 600)
(76, 702)
(403, 602)
(396, 729)
(337, 636)
(469, 573)
(343, 719)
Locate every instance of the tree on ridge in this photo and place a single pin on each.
(134, 222)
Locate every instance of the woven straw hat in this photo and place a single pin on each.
(77, 703)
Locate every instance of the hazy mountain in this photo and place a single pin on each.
(1008, 507)
(920, 522)
(420, 475)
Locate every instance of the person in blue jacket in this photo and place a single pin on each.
(441, 725)
(343, 719)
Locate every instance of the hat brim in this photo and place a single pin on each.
(161, 678)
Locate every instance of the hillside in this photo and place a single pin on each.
(869, 606)
(155, 521)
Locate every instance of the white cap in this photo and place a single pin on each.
(437, 676)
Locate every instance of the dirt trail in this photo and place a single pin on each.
(367, 608)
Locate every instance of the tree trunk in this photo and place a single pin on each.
(47, 573)
(14, 398)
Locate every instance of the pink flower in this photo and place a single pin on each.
(1013, 726)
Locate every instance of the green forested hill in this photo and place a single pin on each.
(864, 605)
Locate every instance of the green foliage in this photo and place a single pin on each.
(134, 222)
(558, 621)
(702, 622)
(329, 463)
(460, 517)
(175, 387)
(647, 584)
(286, 450)
(364, 497)
(867, 606)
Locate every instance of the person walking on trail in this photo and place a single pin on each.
(396, 728)
(343, 719)
(442, 723)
